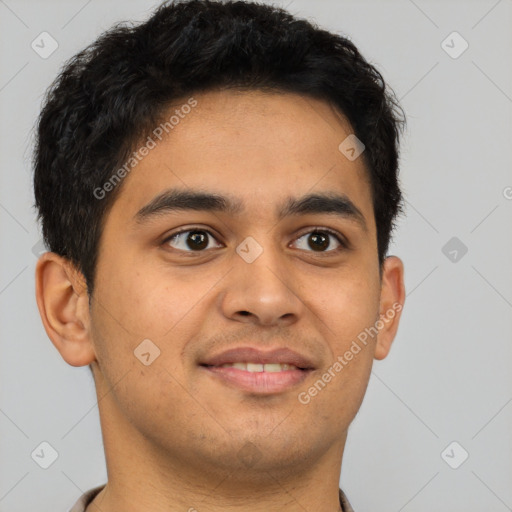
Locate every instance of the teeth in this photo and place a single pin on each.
(274, 367)
(257, 367)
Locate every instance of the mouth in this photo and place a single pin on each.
(257, 378)
(254, 371)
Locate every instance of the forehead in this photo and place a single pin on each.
(255, 146)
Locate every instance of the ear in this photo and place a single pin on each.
(392, 298)
(63, 303)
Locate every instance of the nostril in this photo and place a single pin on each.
(244, 313)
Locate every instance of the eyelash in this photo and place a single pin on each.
(339, 238)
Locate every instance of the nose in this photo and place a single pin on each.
(262, 292)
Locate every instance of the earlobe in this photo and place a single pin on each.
(392, 300)
(62, 301)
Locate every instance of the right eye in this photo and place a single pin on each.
(190, 240)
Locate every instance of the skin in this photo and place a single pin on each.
(175, 437)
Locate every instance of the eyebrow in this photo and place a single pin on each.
(174, 200)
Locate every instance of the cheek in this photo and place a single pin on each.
(349, 308)
(339, 388)
(149, 311)
(348, 305)
(149, 302)
(142, 370)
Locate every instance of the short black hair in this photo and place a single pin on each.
(110, 96)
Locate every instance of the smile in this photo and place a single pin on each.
(258, 367)
(264, 379)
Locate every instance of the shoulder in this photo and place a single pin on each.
(86, 498)
(345, 505)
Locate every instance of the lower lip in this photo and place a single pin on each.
(259, 382)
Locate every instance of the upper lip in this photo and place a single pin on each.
(253, 355)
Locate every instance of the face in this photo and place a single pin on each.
(195, 283)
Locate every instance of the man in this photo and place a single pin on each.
(218, 187)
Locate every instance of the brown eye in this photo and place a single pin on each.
(190, 240)
(319, 240)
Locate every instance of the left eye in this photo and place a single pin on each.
(318, 240)
(196, 240)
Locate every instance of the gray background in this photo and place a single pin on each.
(448, 375)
